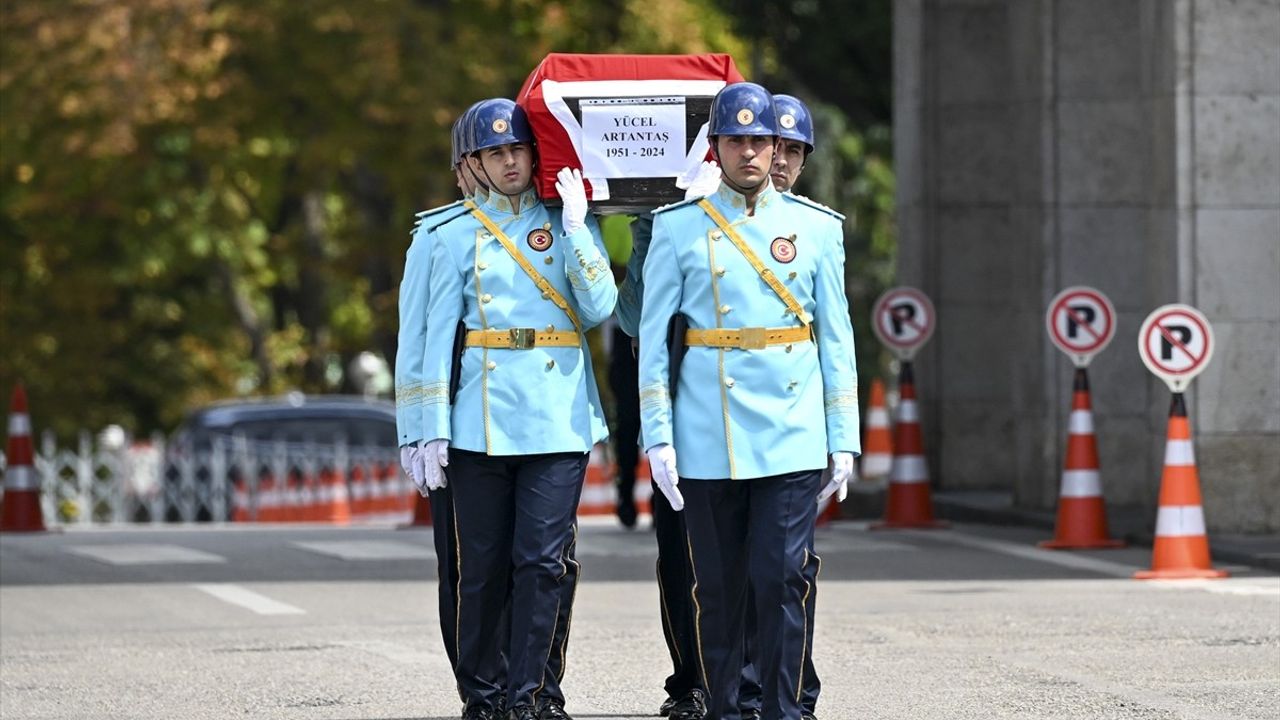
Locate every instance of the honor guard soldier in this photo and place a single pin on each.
(758, 278)
(795, 142)
(525, 283)
(409, 358)
(686, 696)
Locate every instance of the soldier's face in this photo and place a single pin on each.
(788, 162)
(508, 167)
(745, 159)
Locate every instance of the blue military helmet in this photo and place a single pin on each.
(465, 145)
(498, 122)
(794, 120)
(455, 142)
(743, 109)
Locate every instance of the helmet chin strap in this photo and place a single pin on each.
(474, 176)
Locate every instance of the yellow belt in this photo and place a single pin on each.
(745, 338)
(522, 338)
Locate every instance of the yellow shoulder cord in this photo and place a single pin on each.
(548, 291)
(765, 273)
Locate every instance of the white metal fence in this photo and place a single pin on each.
(232, 479)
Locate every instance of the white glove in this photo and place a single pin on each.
(574, 194)
(841, 470)
(411, 460)
(704, 182)
(435, 456)
(662, 467)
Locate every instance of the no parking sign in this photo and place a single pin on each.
(903, 319)
(1176, 342)
(1081, 323)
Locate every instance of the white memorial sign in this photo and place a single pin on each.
(633, 137)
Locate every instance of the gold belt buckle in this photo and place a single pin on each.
(522, 338)
(752, 338)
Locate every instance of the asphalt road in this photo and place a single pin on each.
(318, 622)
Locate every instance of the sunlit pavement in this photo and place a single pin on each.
(319, 622)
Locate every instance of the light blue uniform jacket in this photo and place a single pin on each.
(515, 402)
(748, 413)
(413, 321)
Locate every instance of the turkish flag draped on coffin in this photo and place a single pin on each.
(634, 124)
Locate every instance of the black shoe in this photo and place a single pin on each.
(751, 714)
(478, 712)
(665, 708)
(806, 715)
(522, 712)
(690, 707)
(553, 711)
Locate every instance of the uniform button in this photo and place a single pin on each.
(548, 260)
(493, 365)
(788, 348)
(728, 382)
(792, 385)
(720, 271)
(546, 226)
(716, 234)
(486, 236)
(551, 364)
(546, 295)
(551, 328)
(482, 266)
(791, 275)
(486, 298)
(725, 309)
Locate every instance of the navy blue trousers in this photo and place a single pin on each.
(757, 534)
(674, 581)
(515, 524)
(446, 568)
(750, 696)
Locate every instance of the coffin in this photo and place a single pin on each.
(634, 124)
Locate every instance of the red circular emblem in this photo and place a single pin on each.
(783, 250)
(539, 239)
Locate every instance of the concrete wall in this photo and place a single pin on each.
(1131, 145)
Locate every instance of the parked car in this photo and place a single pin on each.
(294, 418)
(288, 440)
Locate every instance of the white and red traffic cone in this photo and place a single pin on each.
(877, 447)
(1182, 545)
(22, 511)
(909, 503)
(1082, 512)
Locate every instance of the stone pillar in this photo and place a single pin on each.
(1132, 145)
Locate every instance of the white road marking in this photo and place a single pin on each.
(143, 554)
(368, 550)
(1228, 586)
(1028, 552)
(248, 599)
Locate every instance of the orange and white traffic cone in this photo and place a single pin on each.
(22, 511)
(599, 495)
(877, 448)
(1082, 513)
(909, 503)
(332, 503)
(1181, 547)
(421, 513)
